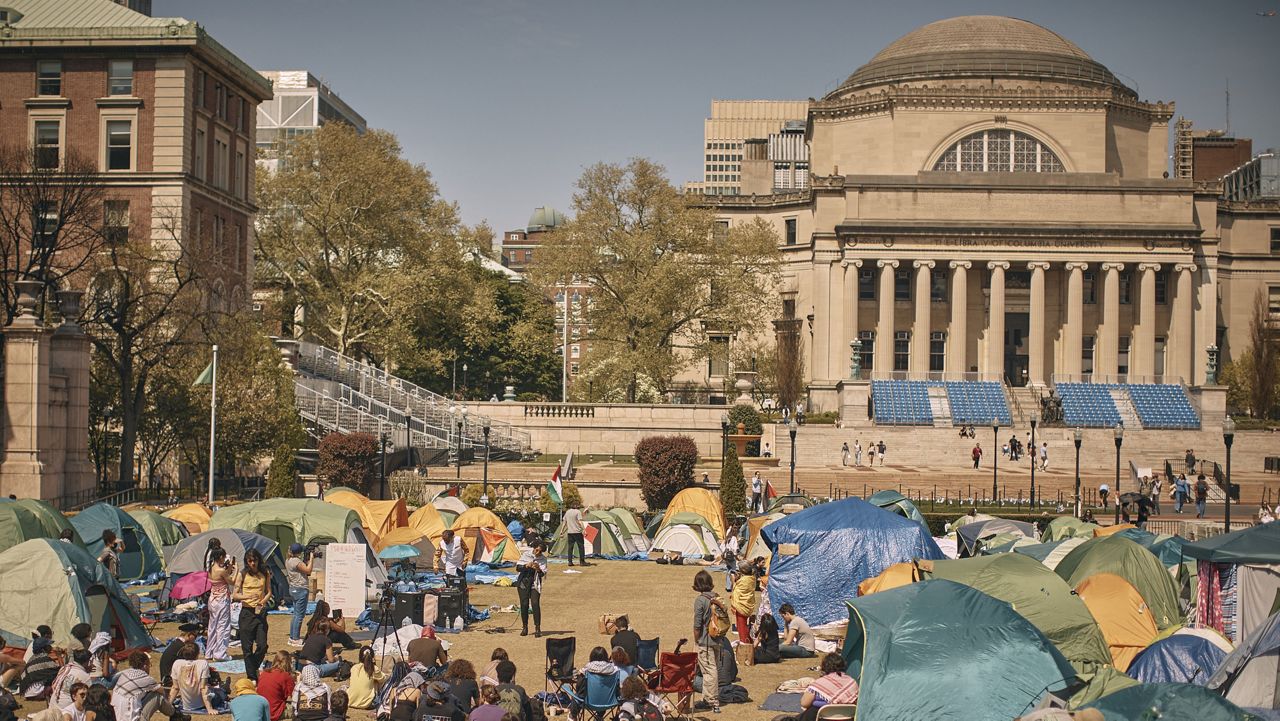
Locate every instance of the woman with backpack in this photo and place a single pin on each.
(710, 624)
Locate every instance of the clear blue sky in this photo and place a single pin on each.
(506, 101)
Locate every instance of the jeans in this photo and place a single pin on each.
(575, 539)
(1200, 509)
(253, 640)
(327, 669)
(1179, 499)
(299, 598)
(791, 650)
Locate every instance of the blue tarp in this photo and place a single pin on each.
(516, 529)
(822, 553)
(1177, 659)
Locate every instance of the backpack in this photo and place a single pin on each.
(644, 710)
(719, 624)
(510, 701)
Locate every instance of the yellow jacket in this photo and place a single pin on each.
(744, 599)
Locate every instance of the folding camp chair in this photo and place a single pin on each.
(560, 652)
(647, 654)
(837, 712)
(602, 696)
(675, 677)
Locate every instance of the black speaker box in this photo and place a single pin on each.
(407, 605)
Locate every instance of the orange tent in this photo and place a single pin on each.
(192, 515)
(899, 574)
(1108, 530)
(494, 541)
(427, 520)
(385, 516)
(1122, 615)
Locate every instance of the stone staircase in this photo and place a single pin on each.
(940, 405)
(1124, 406)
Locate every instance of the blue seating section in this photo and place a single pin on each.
(1163, 406)
(1088, 405)
(901, 403)
(977, 403)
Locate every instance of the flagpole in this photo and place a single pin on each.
(213, 419)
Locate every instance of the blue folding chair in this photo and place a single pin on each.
(602, 696)
(647, 654)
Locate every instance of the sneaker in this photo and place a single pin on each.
(295, 642)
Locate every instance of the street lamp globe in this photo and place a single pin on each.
(1079, 436)
(791, 427)
(1119, 432)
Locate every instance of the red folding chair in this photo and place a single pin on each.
(675, 678)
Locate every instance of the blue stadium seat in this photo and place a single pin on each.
(1088, 405)
(901, 403)
(1163, 406)
(977, 402)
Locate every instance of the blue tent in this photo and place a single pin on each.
(1166, 548)
(1181, 658)
(140, 558)
(822, 553)
(516, 529)
(1167, 701)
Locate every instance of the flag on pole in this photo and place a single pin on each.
(564, 470)
(769, 492)
(206, 376)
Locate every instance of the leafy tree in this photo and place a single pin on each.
(659, 268)
(752, 424)
(347, 459)
(282, 476)
(1264, 346)
(572, 499)
(733, 487)
(666, 467)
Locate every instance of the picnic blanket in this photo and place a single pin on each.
(783, 702)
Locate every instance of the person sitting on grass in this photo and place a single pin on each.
(137, 696)
(437, 704)
(187, 633)
(246, 704)
(488, 710)
(366, 679)
(461, 677)
(76, 711)
(512, 696)
(276, 683)
(638, 702)
(625, 638)
(427, 651)
(767, 644)
(317, 649)
(337, 706)
(77, 671)
(310, 696)
(490, 675)
(41, 669)
(834, 686)
(191, 682)
(337, 625)
(798, 642)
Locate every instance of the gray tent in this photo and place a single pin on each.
(1250, 675)
(189, 554)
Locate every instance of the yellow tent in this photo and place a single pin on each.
(492, 542)
(1122, 615)
(699, 501)
(427, 520)
(192, 515)
(410, 536)
(899, 574)
(346, 498)
(385, 516)
(755, 544)
(1108, 530)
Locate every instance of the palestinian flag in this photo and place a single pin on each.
(590, 532)
(769, 492)
(495, 546)
(555, 488)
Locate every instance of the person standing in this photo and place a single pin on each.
(297, 572)
(871, 455)
(1181, 491)
(744, 601)
(253, 591)
(222, 571)
(1202, 495)
(1156, 487)
(857, 453)
(757, 489)
(882, 448)
(531, 569)
(110, 555)
(708, 645)
(1190, 460)
(844, 453)
(452, 555)
(977, 454)
(1044, 456)
(573, 527)
(729, 555)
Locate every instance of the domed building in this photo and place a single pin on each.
(988, 202)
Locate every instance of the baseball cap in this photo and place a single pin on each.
(296, 548)
(438, 691)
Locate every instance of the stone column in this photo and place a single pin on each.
(1181, 347)
(958, 336)
(1036, 335)
(26, 401)
(995, 320)
(920, 329)
(1205, 320)
(884, 328)
(821, 318)
(70, 354)
(1107, 346)
(837, 346)
(851, 267)
(1142, 347)
(1073, 329)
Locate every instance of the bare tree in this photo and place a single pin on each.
(51, 218)
(1265, 349)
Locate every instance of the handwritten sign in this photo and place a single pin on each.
(344, 577)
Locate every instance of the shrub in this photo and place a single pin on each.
(282, 476)
(572, 499)
(752, 424)
(733, 487)
(825, 418)
(348, 459)
(666, 466)
(471, 494)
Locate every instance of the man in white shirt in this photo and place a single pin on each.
(452, 554)
(757, 489)
(573, 528)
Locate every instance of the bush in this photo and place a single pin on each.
(348, 459)
(572, 499)
(528, 397)
(733, 487)
(282, 476)
(471, 494)
(666, 466)
(825, 418)
(752, 424)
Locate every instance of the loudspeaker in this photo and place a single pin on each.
(407, 605)
(453, 604)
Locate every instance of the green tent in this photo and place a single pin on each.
(1050, 554)
(162, 531)
(897, 503)
(789, 499)
(140, 558)
(45, 581)
(941, 650)
(1039, 595)
(1257, 545)
(631, 527)
(51, 519)
(1135, 564)
(688, 534)
(1106, 681)
(1003, 543)
(1163, 546)
(290, 520)
(1068, 527)
(17, 525)
(607, 543)
(1169, 702)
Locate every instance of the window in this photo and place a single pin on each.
(902, 350)
(573, 369)
(115, 222)
(999, 151)
(47, 144)
(1126, 287)
(201, 149)
(1122, 361)
(238, 178)
(49, 77)
(1275, 240)
(44, 224)
(938, 287)
(721, 230)
(1161, 342)
(220, 151)
(119, 144)
(902, 284)
(1162, 288)
(1089, 286)
(200, 83)
(789, 308)
(868, 338)
(575, 351)
(866, 284)
(120, 77)
(220, 100)
(1273, 301)
(718, 357)
(791, 231)
(937, 351)
(1086, 355)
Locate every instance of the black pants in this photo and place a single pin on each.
(575, 539)
(253, 640)
(530, 600)
(755, 501)
(343, 639)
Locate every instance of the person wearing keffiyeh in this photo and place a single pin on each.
(310, 696)
(833, 687)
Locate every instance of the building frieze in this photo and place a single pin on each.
(987, 98)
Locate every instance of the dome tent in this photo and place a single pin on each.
(140, 558)
(821, 554)
(188, 556)
(162, 531)
(192, 515)
(941, 650)
(491, 542)
(50, 518)
(971, 536)
(1135, 564)
(1122, 615)
(687, 534)
(18, 525)
(428, 520)
(897, 503)
(632, 529)
(1050, 554)
(1064, 527)
(1168, 701)
(45, 581)
(410, 536)
(1250, 675)
(702, 502)
(603, 535)
(452, 504)
(1177, 659)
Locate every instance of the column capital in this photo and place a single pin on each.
(887, 263)
(960, 264)
(1143, 267)
(854, 262)
(1185, 267)
(1112, 266)
(1038, 265)
(1074, 265)
(1001, 264)
(922, 264)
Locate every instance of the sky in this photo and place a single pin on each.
(506, 102)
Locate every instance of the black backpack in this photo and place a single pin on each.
(644, 711)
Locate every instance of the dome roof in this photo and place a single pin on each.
(545, 218)
(980, 46)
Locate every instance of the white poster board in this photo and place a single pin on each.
(344, 577)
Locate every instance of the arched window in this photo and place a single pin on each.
(999, 151)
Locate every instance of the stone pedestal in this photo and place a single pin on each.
(70, 356)
(27, 433)
(1211, 401)
(744, 385)
(855, 403)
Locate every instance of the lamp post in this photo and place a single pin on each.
(464, 378)
(724, 437)
(791, 429)
(1119, 442)
(1079, 436)
(1228, 437)
(484, 491)
(1032, 450)
(995, 464)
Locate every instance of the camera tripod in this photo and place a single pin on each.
(387, 625)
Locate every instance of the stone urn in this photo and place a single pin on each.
(744, 385)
